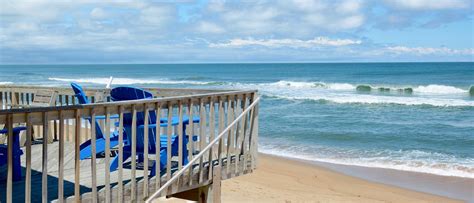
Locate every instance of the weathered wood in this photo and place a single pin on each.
(214, 158)
(190, 145)
(108, 195)
(61, 159)
(221, 141)
(28, 160)
(145, 148)
(77, 166)
(202, 138)
(211, 136)
(158, 146)
(216, 185)
(120, 147)
(168, 140)
(230, 143)
(93, 157)
(176, 177)
(10, 159)
(134, 154)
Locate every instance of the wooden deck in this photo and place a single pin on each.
(86, 177)
(227, 135)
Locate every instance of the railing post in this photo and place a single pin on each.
(145, 148)
(10, 158)
(168, 142)
(254, 134)
(108, 195)
(77, 163)
(158, 147)
(93, 157)
(190, 145)
(202, 136)
(120, 154)
(28, 159)
(44, 171)
(134, 155)
(61, 158)
(212, 134)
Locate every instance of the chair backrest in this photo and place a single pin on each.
(79, 93)
(132, 93)
(82, 98)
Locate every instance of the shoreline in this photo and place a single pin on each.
(281, 179)
(459, 188)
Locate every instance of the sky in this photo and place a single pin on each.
(207, 31)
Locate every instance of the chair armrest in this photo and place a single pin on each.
(153, 126)
(15, 130)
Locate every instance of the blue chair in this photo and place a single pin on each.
(131, 93)
(17, 152)
(86, 148)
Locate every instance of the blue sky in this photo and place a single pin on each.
(202, 31)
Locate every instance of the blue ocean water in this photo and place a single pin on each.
(405, 116)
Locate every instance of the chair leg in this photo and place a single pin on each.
(16, 168)
(115, 162)
(16, 157)
(185, 153)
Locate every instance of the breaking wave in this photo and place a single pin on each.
(433, 95)
(431, 89)
(6, 83)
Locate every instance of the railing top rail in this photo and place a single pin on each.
(201, 153)
(184, 98)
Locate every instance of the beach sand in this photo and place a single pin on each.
(284, 180)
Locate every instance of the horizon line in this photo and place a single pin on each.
(250, 62)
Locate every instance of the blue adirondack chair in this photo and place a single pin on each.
(17, 152)
(86, 148)
(131, 93)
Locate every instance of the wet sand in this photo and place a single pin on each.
(285, 180)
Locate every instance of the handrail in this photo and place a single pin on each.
(197, 157)
(129, 102)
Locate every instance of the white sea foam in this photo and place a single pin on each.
(439, 89)
(371, 99)
(6, 83)
(432, 88)
(127, 81)
(343, 93)
(307, 85)
(410, 160)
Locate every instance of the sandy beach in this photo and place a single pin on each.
(284, 180)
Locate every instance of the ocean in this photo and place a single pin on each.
(405, 116)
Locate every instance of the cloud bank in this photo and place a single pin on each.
(236, 31)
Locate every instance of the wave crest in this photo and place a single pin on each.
(439, 89)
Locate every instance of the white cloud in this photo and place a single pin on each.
(98, 13)
(208, 27)
(430, 4)
(155, 16)
(293, 43)
(350, 6)
(428, 50)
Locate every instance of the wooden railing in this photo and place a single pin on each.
(222, 143)
(229, 134)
